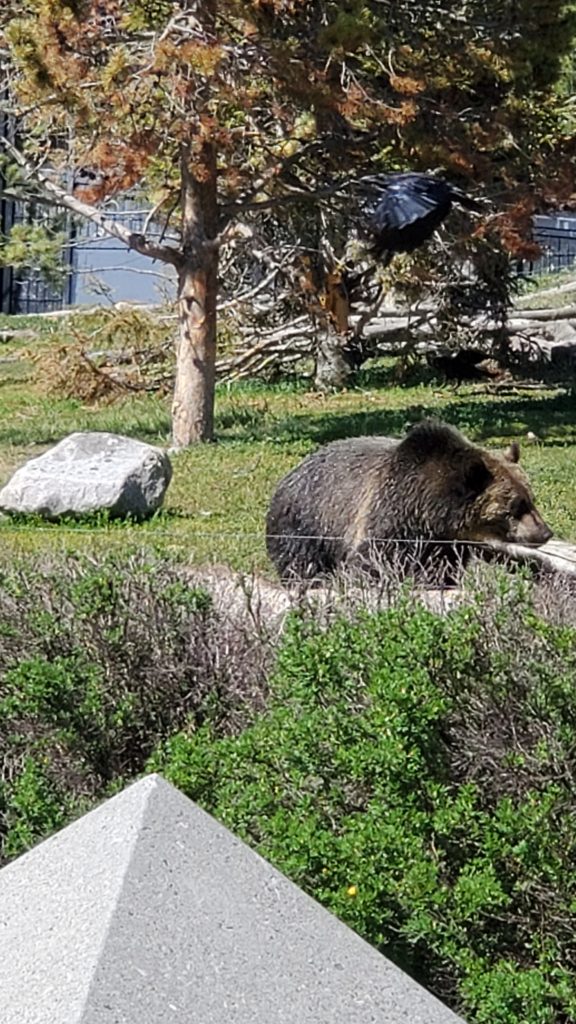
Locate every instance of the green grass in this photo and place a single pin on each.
(529, 296)
(216, 504)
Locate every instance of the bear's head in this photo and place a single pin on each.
(486, 496)
(504, 508)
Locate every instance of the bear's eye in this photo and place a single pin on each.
(520, 508)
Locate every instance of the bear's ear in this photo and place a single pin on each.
(429, 439)
(476, 476)
(512, 453)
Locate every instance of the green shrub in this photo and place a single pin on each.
(34, 805)
(416, 775)
(100, 660)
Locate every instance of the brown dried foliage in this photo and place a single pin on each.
(157, 643)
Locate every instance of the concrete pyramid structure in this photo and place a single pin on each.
(147, 911)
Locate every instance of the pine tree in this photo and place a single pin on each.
(217, 109)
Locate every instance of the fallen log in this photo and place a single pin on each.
(268, 602)
(554, 556)
(561, 313)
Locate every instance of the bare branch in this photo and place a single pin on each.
(230, 233)
(252, 292)
(558, 313)
(275, 172)
(294, 196)
(152, 213)
(50, 192)
(370, 312)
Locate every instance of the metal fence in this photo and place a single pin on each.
(99, 268)
(123, 275)
(104, 270)
(24, 290)
(556, 234)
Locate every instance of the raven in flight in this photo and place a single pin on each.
(403, 210)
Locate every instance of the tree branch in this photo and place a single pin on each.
(58, 196)
(252, 292)
(296, 196)
(555, 313)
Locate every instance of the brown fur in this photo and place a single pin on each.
(356, 501)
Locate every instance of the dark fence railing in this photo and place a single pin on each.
(556, 235)
(29, 292)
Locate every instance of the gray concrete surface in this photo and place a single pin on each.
(147, 911)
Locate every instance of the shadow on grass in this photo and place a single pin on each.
(248, 415)
(391, 374)
(551, 417)
(33, 433)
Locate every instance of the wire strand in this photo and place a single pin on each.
(257, 535)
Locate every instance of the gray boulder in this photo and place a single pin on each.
(87, 473)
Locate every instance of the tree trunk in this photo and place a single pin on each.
(332, 370)
(193, 402)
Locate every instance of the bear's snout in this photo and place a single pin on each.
(532, 530)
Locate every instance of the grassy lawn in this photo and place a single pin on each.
(216, 504)
(529, 296)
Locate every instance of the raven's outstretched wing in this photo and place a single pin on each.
(403, 210)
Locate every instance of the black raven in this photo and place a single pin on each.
(401, 211)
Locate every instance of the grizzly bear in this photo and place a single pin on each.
(369, 501)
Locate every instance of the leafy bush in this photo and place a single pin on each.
(416, 775)
(99, 660)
